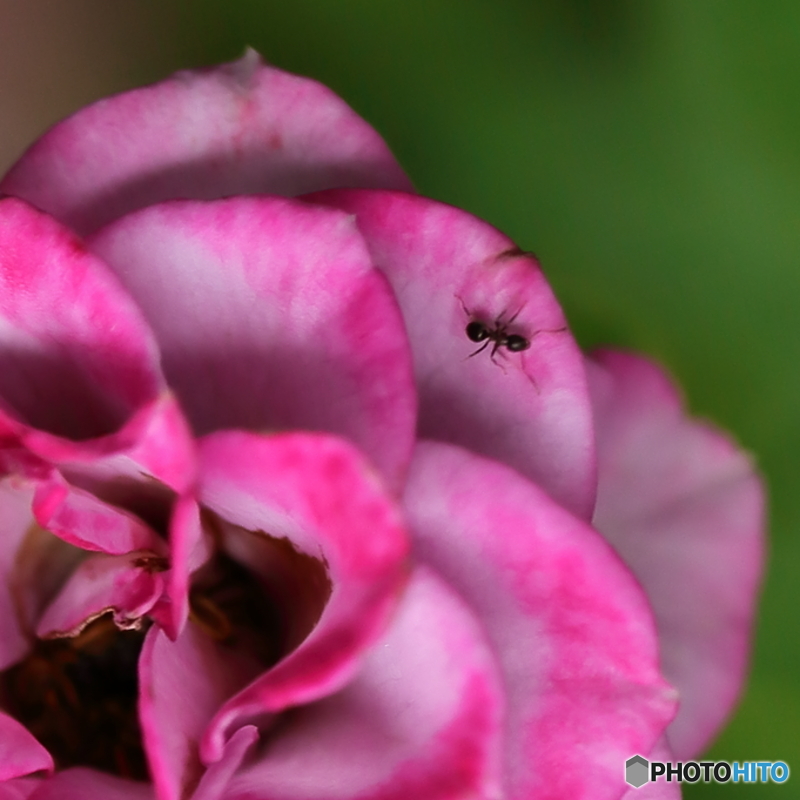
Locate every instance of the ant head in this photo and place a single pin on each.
(477, 331)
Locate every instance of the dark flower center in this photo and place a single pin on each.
(228, 603)
(78, 697)
(258, 594)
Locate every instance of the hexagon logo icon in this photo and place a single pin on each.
(636, 771)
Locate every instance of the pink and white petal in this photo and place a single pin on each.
(244, 128)
(658, 789)
(88, 784)
(181, 685)
(20, 753)
(571, 629)
(83, 520)
(67, 330)
(422, 718)
(684, 507)
(214, 783)
(528, 409)
(122, 584)
(317, 494)
(34, 565)
(269, 315)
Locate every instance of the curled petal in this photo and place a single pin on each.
(91, 503)
(80, 378)
(190, 548)
(67, 331)
(269, 315)
(154, 446)
(685, 509)
(422, 718)
(529, 409)
(316, 494)
(102, 583)
(244, 128)
(83, 520)
(181, 685)
(571, 629)
(216, 778)
(20, 753)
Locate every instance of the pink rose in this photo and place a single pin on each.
(298, 495)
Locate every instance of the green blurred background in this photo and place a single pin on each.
(647, 150)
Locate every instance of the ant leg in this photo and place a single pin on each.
(502, 326)
(464, 306)
(533, 381)
(546, 330)
(498, 343)
(481, 348)
(532, 336)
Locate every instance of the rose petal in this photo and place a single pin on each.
(88, 784)
(243, 128)
(19, 789)
(316, 493)
(67, 331)
(217, 777)
(571, 629)
(270, 315)
(528, 409)
(154, 446)
(99, 584)
(684, 508)
(422, 718)
(181, 685)
(138, 469)
(189, 549)
(20, 753)
(83, 520)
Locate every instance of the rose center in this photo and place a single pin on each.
(78, 697)
(229, 604)
(258, 594)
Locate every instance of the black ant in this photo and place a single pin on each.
(498, 336)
